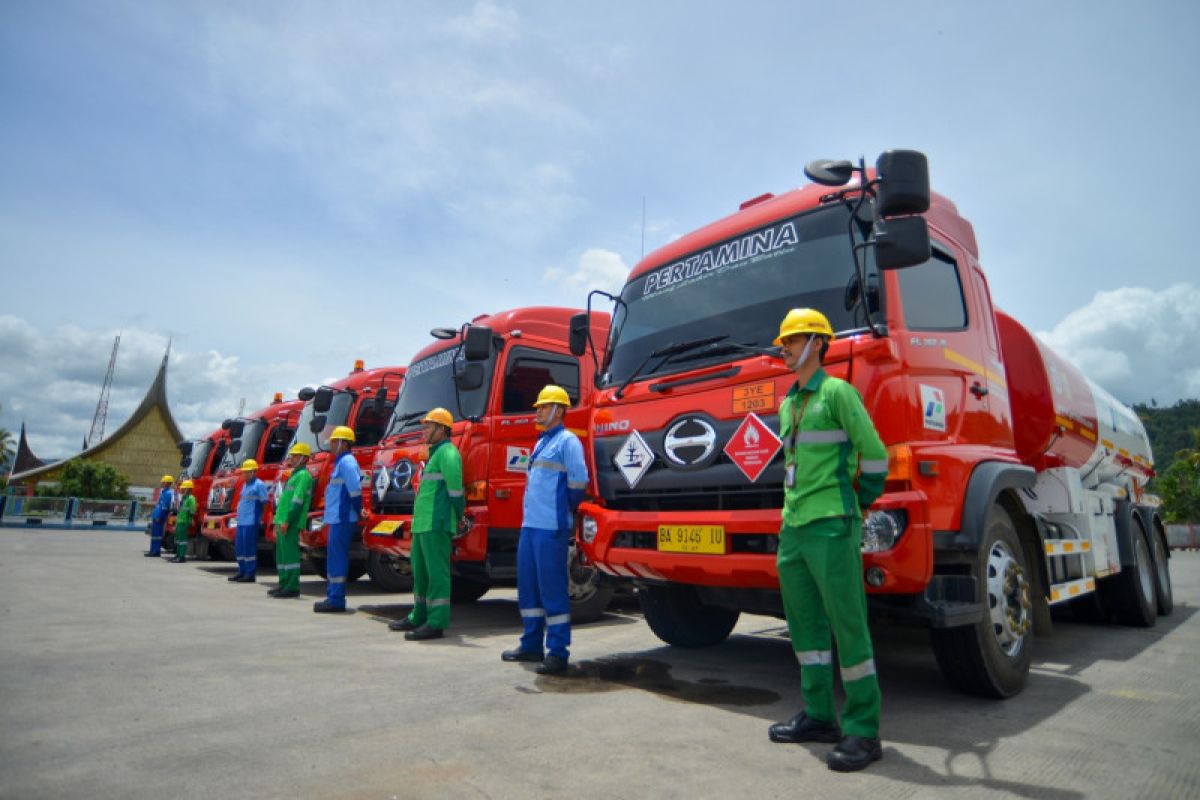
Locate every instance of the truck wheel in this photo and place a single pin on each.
(991, 658)
(1132, 590)
(225, 550)
(1162, 574)
(168, 541)
(588, 588)
(676, 615)
(266, 559)
(390, 573)
(467, 590)
(357, 568)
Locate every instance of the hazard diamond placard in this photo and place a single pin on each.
(752, 446)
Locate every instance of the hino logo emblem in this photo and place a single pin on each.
(402, 475)
(690, 442)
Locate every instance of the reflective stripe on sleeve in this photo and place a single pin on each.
(822, 437)
(811, 658)
(558, 619)
(576, 484)
(338, 481)
(418, 600)
(858, 671)
(297, 501)
(432, 476)
(454, 492)
(542, 463)
(874, 465)
(533, 612)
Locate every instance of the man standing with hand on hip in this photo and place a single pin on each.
(835, 468)
(291, 514)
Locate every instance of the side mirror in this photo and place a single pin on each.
(225, 423)
(902, 242)
(380, 400)
(281, 435)
(468, 375)
(185, 462)
(322, 400)
(829, 173)
(236, 427)
(577, 336)
(903, 183)
(185, 448)
(235, 446)
(317, 424)
(306, 394)
(477, 343)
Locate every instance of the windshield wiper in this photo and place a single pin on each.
(399, 422)
(665, 353)
(727, 349)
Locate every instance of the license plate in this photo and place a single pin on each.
(387, 526)
(212, 524)
(691, 538)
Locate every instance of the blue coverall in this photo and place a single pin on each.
(158, 519)
(343, 506)
(249, 518)
(555, 486)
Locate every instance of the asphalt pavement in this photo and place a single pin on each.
(129, 677)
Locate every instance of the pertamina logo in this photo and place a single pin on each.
(933, 408)
(752, 447)
(517, 459)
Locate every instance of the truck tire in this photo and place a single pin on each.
(1163, 592)
(991, 658)
(168, 541)
(676, 615)
(357, 568)
(1132, 590)
(588, 588)
(467, 590)
(389, 573)
(225, 550)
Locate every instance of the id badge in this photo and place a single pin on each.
(789, 476)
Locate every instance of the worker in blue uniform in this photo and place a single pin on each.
(555, 486)
(158, 517)
(251, 501)
(343, 507)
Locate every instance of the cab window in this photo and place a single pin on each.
(371, 423)
(529, 370)
(932, 295)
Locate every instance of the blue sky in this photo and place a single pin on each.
(284, 187)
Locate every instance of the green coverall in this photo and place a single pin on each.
(436, 513)
(820, 558)
(291, 509)
(183, 524)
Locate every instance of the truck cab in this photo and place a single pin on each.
(364, 401)
(983, 425)
(487, 374)
(198, 462)
(263, 436)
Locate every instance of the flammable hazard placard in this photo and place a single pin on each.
(752, 446)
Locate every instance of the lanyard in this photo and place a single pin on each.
(797, 421)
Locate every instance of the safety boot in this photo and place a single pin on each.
(803, 728)
(517, 654)
(854, 753)
(402, 624)
(325, 607)
(552, 665)
(423, 633)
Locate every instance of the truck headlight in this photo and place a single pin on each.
(882, 529)
(231, 522)
(588, 530)
(316, 524)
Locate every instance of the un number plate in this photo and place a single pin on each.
(691, 539)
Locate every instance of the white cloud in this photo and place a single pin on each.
(1137, 343)
(487, 23)
(597, 269)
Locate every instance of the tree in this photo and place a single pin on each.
(8, 449)
(94, 480)
(1179, 486)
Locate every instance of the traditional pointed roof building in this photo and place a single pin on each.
(143, 449)
(25, 459)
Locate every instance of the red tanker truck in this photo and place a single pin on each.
(487, 374)
(1014, 482)
(363, 400)
(198, 462)
(262, 436)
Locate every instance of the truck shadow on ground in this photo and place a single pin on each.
(756, 674)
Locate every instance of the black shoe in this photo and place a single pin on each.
(234, 578)
(552, 665)
(150, 555)
(424, 632)
(175, 560)
(283, 594)
(274, 592)
(402, 624)
(803, 728)
(518, 654)
(854, 753)
(324, 607)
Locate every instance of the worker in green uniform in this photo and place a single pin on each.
(291, 515)
(835, 466)
(437, 514)
(183, 521)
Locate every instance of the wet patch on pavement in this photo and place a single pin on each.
(615, 674)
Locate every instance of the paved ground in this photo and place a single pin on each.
(122, 677)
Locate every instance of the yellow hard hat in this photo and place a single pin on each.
(441, 416)
(804, 320)
(249, 464)
(166, 479)
(300, 449)
(552, 394)
(342, 432)
(186, 485)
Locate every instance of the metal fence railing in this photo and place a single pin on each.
(74, 512)
(1183, 537)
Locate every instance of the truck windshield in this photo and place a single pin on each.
(738, 289)
(199, 454)
(429, 384)
(339, 411)
(251, 435)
